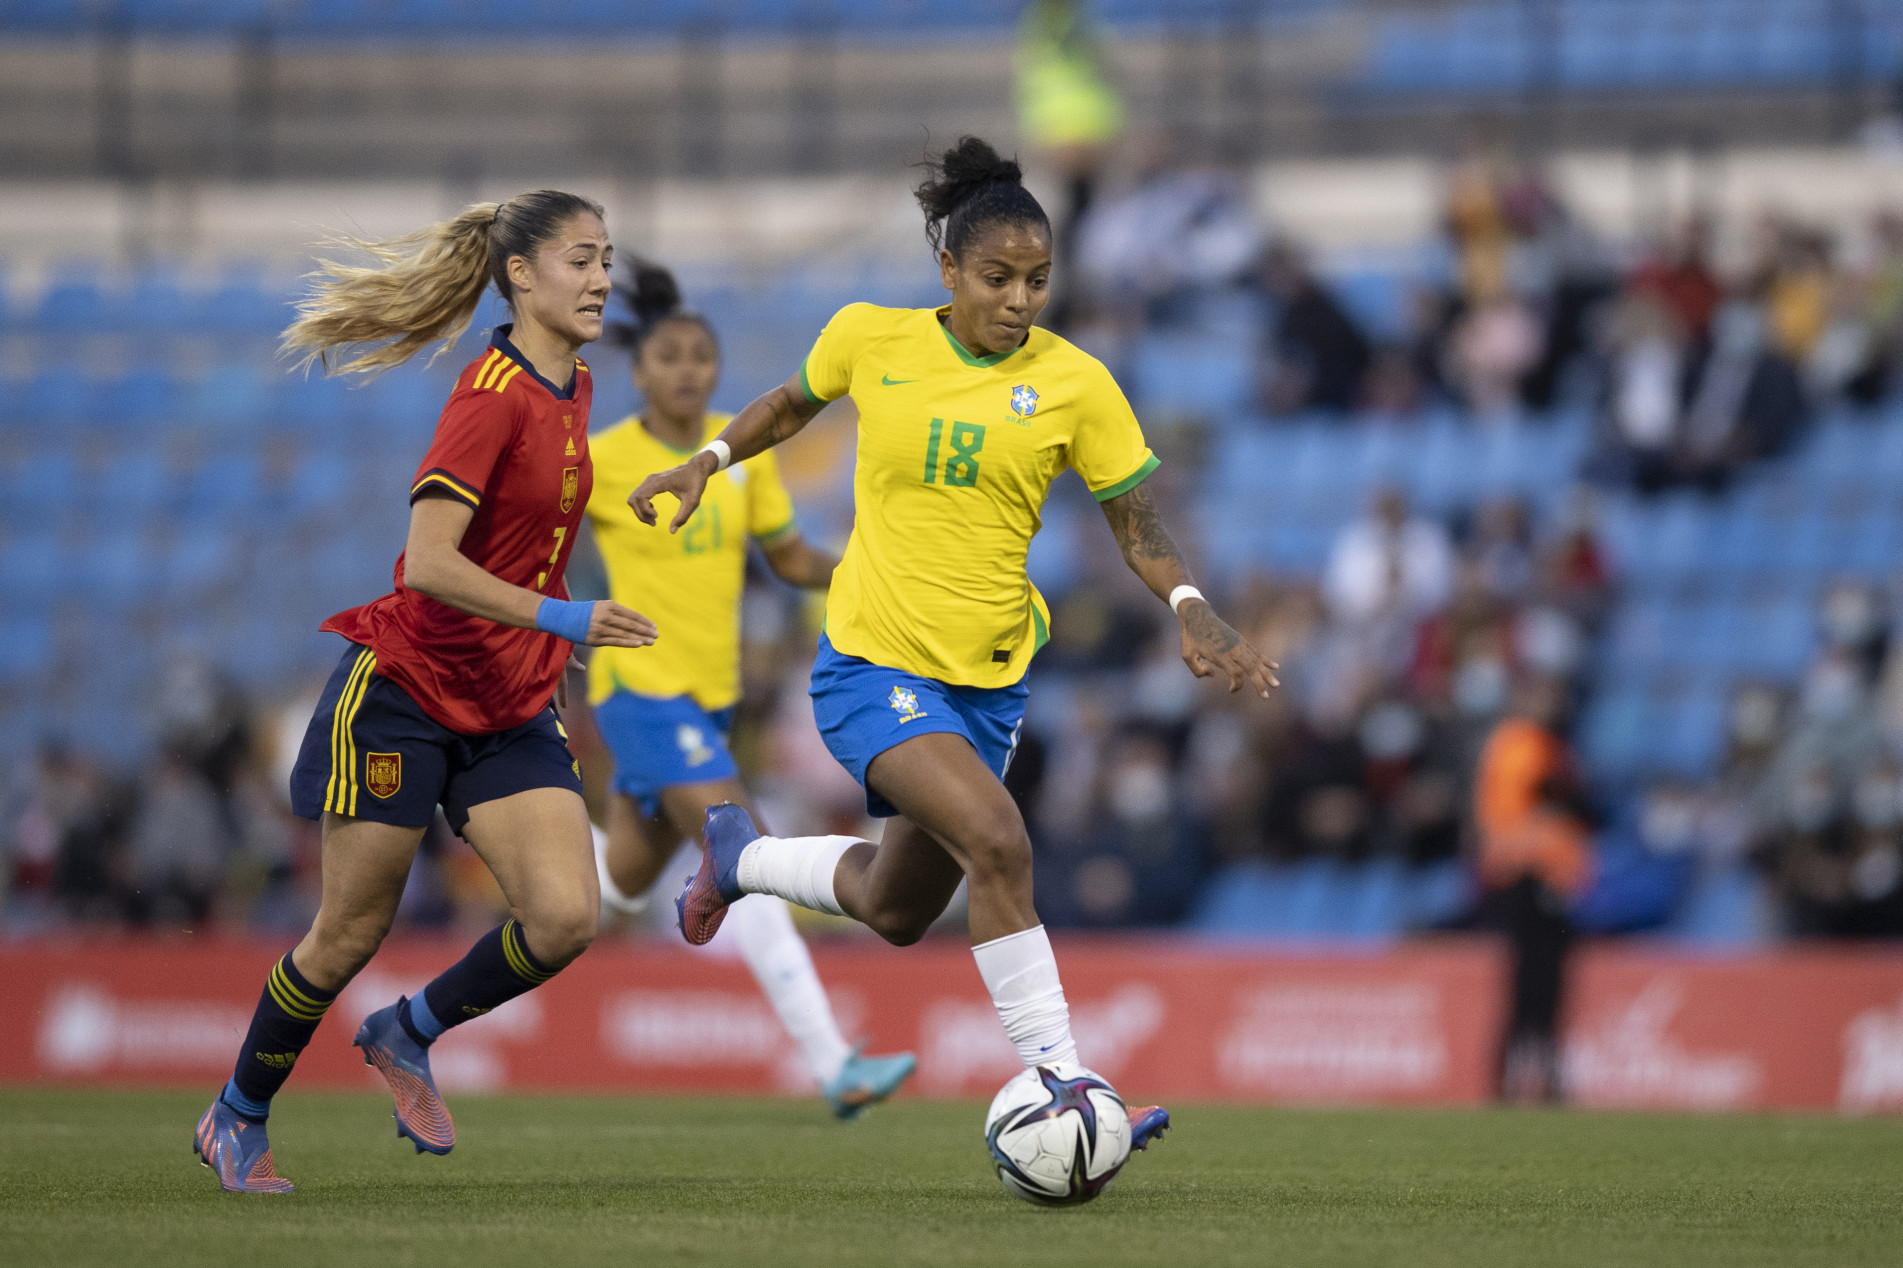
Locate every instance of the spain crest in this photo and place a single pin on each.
(1023, 400)
(571, 485)
(383, 773)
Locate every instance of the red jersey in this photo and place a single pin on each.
(514, 447)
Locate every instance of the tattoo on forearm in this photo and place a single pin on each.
(1138, 529)
(786, 414)
(1204, 625)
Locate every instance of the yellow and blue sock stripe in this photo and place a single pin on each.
(522, 961)
(295, 996)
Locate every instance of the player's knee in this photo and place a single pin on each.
(998, 848)
(559, 932)
(342, 946)
(900, 928)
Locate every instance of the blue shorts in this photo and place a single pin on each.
(864, 709)
(661, 741)
(387, 760)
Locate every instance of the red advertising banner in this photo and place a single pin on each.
(1801, 1029)
(1415, 1024)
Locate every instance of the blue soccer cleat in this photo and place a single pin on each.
(1147, 1125)
(703, 904)
(238, 1150)
(404, 1065)
(865, 1081)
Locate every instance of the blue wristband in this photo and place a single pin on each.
(564, 619)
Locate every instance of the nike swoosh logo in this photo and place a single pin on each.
(885, 381)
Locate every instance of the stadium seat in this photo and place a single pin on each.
(120, 566)
(158, 304)
(1436, 894)
(1727, 907)
(1614, 731)
(74, 304)
(46, 483)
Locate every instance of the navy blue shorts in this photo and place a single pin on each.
(372, 753)
(661, 741)
(864, 709)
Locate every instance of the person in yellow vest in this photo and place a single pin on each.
(1068, 112)
(665, 716)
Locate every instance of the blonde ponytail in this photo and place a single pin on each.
(424, 287)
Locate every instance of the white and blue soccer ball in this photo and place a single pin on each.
(1058, 1134)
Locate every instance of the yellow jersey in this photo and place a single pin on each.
(688, 583)
(956, 456)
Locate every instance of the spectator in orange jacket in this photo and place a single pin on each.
(1534, 856)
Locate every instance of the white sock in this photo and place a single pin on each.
(611, 895)
(1021, 973)
(798, 869)
(774, 950)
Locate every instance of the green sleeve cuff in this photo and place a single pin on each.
(806, 386)
(1128, 482)
(774, 537)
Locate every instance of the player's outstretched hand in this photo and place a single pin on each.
(611, 625)
(685, 482)
(1212, 649)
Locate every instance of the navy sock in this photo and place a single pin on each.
(497, 969)
(289, 1010)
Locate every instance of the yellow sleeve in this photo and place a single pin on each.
(1107, 448)
(602, 450)
(769, 506)
(826, 374)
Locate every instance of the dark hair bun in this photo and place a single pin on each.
(969, 186)
(960, 172)
(651, 296)
(652, 291)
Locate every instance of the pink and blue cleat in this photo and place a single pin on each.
(703, 904)
(237, 1149)
(404, 1065)
(865, 1081)
(1147, 1124)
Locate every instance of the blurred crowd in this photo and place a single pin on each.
(1697, 361)
(1429, 679)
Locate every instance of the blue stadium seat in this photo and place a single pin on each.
(232, 396)
(1690, 734)
(48, 482)
(203, 558)
(1781, 633)
(26, 644)
(1246, 899)
(1184, 375)
(148, 395)
(74, 304)
(1377, 907)
(229, 483)
(120, 566)
(1638, 641)
(1436, 894)
(158, 303)
(131, 485)
(1727, 907)
(1615, 730)
(241, 303)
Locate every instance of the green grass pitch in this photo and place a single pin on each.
(537, 1182)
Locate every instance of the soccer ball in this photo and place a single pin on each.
(1058, 1133)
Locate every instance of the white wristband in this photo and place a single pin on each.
(722, 454)
(1181, 593)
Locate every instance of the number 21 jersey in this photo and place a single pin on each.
(956, 456)
(513, 447)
